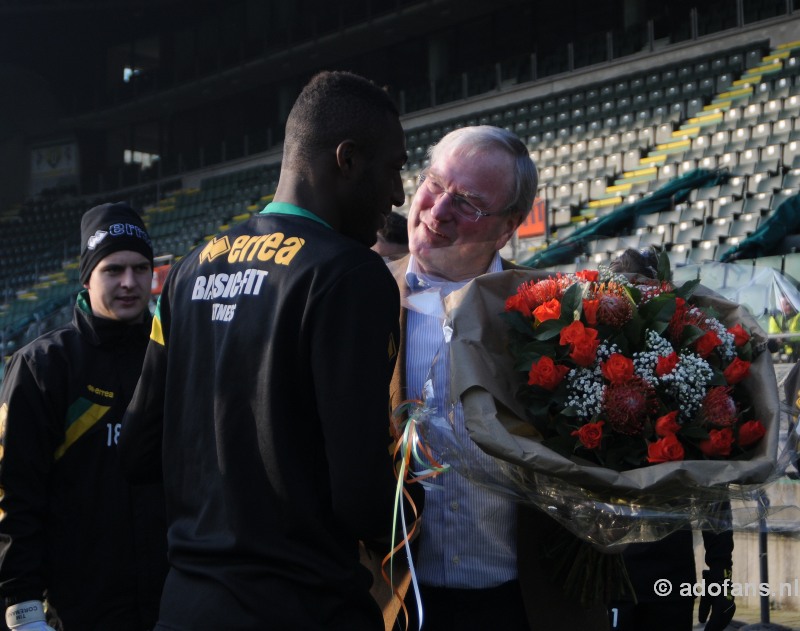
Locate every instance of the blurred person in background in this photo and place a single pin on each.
(392, 240)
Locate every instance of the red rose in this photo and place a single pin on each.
(590, 310)
(550, 310)
(572, 332)
(719, 443)
(706, 344)
(590, 275)
(584, 351)
(546, 374)
(737, 370)
(618, 368)
(667, 424)
(518, 303)
(666, 365)
(590, 434)
(665, 449)
(740, 335)
(750, 433)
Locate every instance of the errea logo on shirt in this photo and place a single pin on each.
(100, 392)
(275, 247)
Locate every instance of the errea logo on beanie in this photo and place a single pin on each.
(111, 228)
(95, 239)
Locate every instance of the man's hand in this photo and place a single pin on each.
(721, 606)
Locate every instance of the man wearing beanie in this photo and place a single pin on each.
(73, 531)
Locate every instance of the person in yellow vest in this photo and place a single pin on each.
(787, 320)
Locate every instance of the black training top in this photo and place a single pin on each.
(270, 359)
(72, 524)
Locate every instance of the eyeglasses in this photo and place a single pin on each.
(461, 205)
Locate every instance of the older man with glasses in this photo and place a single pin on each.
(477, 559)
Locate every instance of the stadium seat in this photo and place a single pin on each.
(731, 209)
(689, 235)
(758, 204)
(704, 252)
(647, 239)
(765, 183)
(677, 257)
(717, 230)
(791, 180)
(744, 225)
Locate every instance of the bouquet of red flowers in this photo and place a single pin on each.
(629, 374)
(625, 408)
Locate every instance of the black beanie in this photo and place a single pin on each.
(109, 228)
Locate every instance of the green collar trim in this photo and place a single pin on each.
(83, 301)
(284, 208)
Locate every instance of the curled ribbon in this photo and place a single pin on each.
(408, 446)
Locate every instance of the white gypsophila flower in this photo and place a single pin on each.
(645, 362)
(688, 384)
(648, 292)
(727, 349)
(644, 366)
(585, 391)
(604, 351)
(655, 342)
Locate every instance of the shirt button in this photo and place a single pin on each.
(456, 560)
(454, 505)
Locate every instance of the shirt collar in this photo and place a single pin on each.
(284, 208)
(417, 280)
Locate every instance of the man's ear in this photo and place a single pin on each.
(346, 157)
(510, 225)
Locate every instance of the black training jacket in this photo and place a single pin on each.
(72, 525)
(267, 383)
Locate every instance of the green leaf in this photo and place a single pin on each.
(518, 322)
(634, 293)
(572, 300)
(686, 290)
(625, 451)
(718, 379)
(634, 331)
(538, 407)
(694, 432)
(745, 352)
(538, 348)
(548, 329)
(569, 412)
(659, 326)
(691, 334)
(563, 445)
(661, 308)
(663, 272)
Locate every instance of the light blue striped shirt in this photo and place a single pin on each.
(468, 535)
